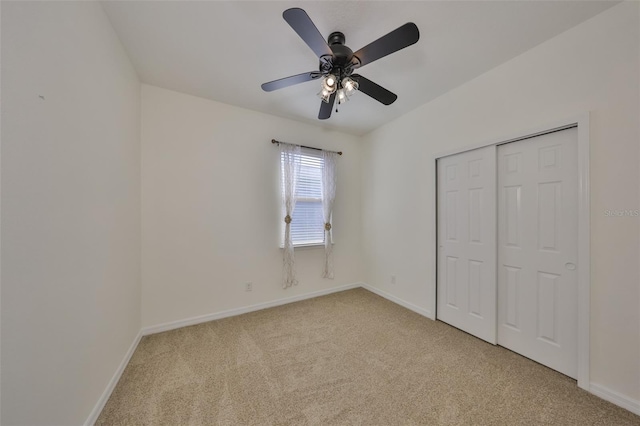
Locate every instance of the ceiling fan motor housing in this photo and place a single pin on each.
(341, 62)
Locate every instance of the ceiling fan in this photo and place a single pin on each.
(338, 62)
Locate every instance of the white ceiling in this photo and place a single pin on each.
(224, 50)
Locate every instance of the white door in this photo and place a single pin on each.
(466, 283)
(537, 249)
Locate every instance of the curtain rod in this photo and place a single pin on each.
(303, 146)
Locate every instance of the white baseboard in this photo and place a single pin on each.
(239, 311)
(615, 398)
(93, 416)
(397, 300)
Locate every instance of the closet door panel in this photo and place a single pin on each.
(537, 249)
(467, 242)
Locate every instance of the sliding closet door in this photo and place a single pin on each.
(537, 249)
(466, 281)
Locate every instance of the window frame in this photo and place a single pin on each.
(304, 244)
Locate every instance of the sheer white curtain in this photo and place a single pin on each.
(290, 155)
(328, 196)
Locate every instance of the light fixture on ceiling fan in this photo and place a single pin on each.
(338, 62)
(343, 88)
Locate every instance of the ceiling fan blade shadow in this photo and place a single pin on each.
(397, 39)
(289, 81)
(303, 25)
(325, 108)
(374, 90)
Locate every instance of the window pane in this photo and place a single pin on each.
(307, 224)
(310, 179)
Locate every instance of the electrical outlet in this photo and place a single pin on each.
(248, 286)
(393, 279)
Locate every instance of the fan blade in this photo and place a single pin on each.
(325, 108)
(303, 25)
(377, 92)
(397, 39)
(289, 81)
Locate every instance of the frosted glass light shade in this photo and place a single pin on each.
(342, 96)
(324, 95)
(329, 83)
(350, 85)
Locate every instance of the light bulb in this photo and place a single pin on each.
(329, 83)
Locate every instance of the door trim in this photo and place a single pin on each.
(584, 219)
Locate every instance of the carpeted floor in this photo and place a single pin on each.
(350, 358)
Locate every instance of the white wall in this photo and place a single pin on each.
(0, 226)
(592, 67)
(211, 207)
(70, 210)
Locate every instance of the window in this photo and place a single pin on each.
(307, 225)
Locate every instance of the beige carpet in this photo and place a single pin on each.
(350, 358)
